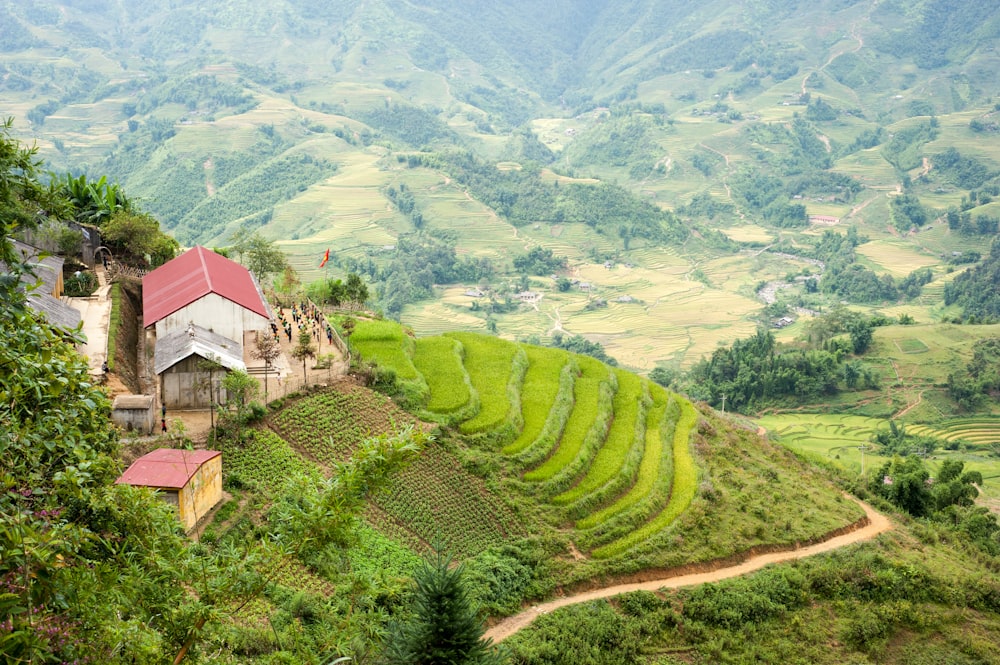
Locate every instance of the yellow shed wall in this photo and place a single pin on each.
(201, 494)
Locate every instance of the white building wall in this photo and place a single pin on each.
(212, 311)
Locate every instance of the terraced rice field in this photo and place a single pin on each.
(830, 436)
(981, 430)
(384, 343)
(596, 448)
(439, 361)
(541, 387)
(608, 464)
(489, 362)
(586, 394)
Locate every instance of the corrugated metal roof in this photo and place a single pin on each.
(55, 311)
(47, 270)
(197, 341)
(166, 468)
(193, 275)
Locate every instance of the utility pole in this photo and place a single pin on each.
(723, 402)
(862, 448)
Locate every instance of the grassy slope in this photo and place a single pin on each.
(734, 479)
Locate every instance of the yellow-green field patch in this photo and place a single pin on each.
(898, 258)
(748, 233)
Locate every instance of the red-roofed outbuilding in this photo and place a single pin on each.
(188, 479)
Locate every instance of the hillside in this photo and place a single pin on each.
(534, 488)
(545, 472)
(626, 134)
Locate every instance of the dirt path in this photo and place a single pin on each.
(903, 412)
(877, 523)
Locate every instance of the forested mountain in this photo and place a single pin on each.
(510, 125)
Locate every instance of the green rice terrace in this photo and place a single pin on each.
(605, 472)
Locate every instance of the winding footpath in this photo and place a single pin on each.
(876, 523)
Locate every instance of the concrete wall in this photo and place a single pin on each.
(215, 313)
(137, 420)
(201, 494)
(181, 385)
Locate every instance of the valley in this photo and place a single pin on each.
(677, 343)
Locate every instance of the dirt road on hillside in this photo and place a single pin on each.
(876, 523)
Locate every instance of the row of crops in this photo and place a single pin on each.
(601, 449)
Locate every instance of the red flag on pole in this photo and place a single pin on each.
(326, 257)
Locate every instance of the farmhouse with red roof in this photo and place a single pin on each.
(200, 306)
(188, 479)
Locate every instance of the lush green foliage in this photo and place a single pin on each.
(444, 627)
(972, 387)
(76, 550)
(753, 371)
(580, 344)
(976, 290)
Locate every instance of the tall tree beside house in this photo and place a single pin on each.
(304, 350)
(210, 365)
(357, 290)
(137, 238)
(258, 254)
(268, 349)
(241, 389)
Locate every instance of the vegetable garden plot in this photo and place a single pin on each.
(437, 499)
(264, 458)
(329, 425)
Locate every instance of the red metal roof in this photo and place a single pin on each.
(193, 275)
(167, 468)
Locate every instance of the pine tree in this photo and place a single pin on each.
(444, 628)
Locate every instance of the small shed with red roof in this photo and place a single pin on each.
(188, 479)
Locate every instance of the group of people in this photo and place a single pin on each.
(308, 318)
